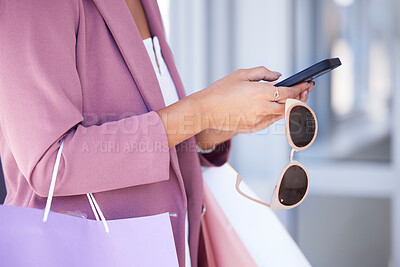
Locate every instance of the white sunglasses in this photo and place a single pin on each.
(294, 180)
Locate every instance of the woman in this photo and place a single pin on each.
(80, 71)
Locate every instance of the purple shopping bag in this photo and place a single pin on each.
(64, 240)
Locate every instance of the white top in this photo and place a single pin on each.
(170, 96)
(164, 78)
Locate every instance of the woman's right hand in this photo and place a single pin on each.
(241, 103)
(238, 103)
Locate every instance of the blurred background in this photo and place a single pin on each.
(352, 214)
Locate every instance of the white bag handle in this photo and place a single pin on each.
(93, 203)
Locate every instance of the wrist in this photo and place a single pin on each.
(204, 109)
(210, 112)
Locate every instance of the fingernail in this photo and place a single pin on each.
(308, 85)
(306, 92)
(278, 73)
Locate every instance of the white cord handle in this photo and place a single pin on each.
(93, 203)
(103, 219)
(53, 183)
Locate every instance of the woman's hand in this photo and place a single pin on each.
(240, 103)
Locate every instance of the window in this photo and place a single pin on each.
(353, 104)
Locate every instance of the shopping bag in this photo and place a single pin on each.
(64, 240)
(223, 246)
(246, 229)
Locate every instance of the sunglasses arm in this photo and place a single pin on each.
(291, 154)
(238, 181)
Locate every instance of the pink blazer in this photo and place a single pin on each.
(78, 70)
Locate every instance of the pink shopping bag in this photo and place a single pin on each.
(63, 240)
(223, 246)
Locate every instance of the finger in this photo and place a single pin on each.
(311, 87)
(261, 74)
(301, 87)
(304, 96)
(296, 90)
(275, 108)
(267, 121)
(283, 92)
(273, 118)
(283, 101)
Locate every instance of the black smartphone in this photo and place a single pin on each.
(312, 72)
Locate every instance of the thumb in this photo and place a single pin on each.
(262, 74)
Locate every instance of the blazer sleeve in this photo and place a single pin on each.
(41, 104)
(218, 157)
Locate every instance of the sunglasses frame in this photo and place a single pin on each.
(275, 203)
(290, 104)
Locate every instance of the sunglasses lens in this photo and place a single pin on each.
(301, 126)
(293, 186)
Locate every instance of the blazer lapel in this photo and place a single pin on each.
(119, 20)
(122, 26)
